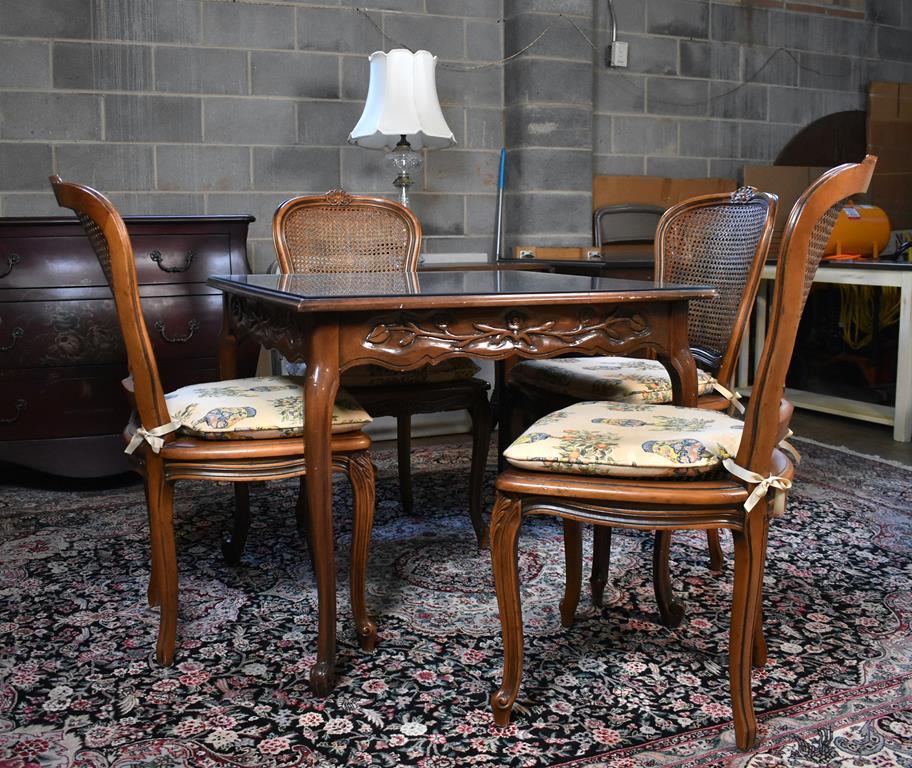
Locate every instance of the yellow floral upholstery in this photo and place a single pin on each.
(622, 379)
(264, 407)
(627, 440)
(454, 370)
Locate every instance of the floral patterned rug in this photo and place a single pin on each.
(79, 685)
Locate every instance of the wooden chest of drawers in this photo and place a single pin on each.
(61, 354)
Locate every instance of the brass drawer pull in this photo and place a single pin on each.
(191, 327)
(11, 261)
(157, 258)
(21, 405)
(15, 336)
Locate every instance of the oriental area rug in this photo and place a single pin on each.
(79, 685)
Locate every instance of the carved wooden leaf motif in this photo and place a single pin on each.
(378, 335)
(515, 332)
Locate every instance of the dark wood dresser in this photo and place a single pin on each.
(62, 359)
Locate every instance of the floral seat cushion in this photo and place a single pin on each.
(627, 440)
(263, 407)
(622, 379)
(453, 370)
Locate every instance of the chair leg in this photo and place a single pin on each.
(234, 543)
(506, 518)
(759, 652)
(161, 523)
(363, 481)
(748, 580)
(670, 612)
(404, 444)
(601, 558)
(302, 514)
(573, 557)
(480, 412)
(152, 590)
(716, 558)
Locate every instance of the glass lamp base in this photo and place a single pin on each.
(406, 161)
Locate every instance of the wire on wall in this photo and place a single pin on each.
(618, 76)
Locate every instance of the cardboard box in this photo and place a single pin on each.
(786, 181)
(890, 138)
(653, 190)
(556, 254)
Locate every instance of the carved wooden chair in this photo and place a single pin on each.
(623, 465)
(720, 240)
(239, 430)
(338, 232)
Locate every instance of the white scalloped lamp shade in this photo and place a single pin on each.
(402, 99)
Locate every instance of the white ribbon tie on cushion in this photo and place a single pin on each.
(790, 449)
(733, 397)
(154, 437)
(762, 487)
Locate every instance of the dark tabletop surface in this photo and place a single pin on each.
(451, 288)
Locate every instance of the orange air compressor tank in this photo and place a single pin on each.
(859, 229)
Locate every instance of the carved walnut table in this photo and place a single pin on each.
(333, 322)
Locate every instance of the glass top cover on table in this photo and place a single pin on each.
(398, 290)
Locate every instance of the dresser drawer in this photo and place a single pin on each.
(69, 261)
(85, 332)
(67, 406)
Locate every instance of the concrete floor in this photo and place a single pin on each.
(874, 439)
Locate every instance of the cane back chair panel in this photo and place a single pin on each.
(338, 232)
(722, 241)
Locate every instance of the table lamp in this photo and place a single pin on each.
(402, 112)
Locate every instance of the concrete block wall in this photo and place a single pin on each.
(548, 120)
(218, 106)
(713, 86)
(207, 106)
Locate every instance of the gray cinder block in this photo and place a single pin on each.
(298, 75)
(102, 67)
(46, 18)
(454, 170)
(748, 102)
(720, 61)
(439, 214)
(644, 135)
(158, 21)
(249, 121)
(540, 80)
(108, 166)
(153, 118)
(248, 25)
(50, 116)
(550, 169)
(201, 70)
(337, 29)
(207, 169)
(740, 24)
(25, 166)
(681, 18)
(309, 170)
(24, 64)
(677, 167)
(326, 123)
(709, 138)
(528, 125)
(677, 96)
